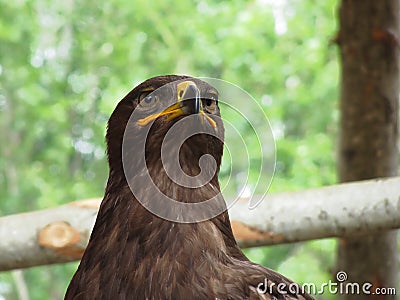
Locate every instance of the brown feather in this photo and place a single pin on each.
(133, 254)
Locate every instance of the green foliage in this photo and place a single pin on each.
(65, 64)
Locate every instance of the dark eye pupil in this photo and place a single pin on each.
(148, 99)
(208, 102)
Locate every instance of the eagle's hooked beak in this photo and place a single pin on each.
(188, 102)
(188, 97)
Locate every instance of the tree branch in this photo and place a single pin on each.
(60, 234)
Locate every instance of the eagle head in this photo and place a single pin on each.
(167, 131)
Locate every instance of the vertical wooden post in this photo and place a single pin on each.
(368, 147)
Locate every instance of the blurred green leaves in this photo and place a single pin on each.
(64, 65)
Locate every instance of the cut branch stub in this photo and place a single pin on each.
(62, 238)
(249, 236)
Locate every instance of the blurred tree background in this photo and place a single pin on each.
(65, 64)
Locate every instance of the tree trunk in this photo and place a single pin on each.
(369, 48)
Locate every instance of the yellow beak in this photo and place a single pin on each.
(188, 102)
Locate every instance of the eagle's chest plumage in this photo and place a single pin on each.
(136, 254)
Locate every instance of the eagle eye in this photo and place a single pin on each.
(147, 99)
(211, 102)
